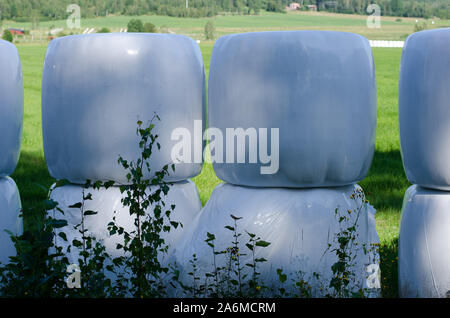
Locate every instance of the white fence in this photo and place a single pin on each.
(384, 43)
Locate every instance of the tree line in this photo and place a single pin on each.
(27, 10)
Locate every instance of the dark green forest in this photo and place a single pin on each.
(25, 10)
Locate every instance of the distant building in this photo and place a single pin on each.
(293, 6)
(17, 31)
(312, 7)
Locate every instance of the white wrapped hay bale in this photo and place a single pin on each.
(96, 87)
(10, 207)
(298, 223)
(316, 87)
(11, 107)
(424, 112)
(105, 202)
(424, 244)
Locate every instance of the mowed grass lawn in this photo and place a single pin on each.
(384, 186)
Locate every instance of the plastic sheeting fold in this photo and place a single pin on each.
(96, 87)
(317, 87)
(10, 207)
(424, 244)
(107, 201)
(299, 224)
(424, 109)
(11, 107)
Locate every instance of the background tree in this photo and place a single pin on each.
(22, 10)
(135, 25)
(210, 31)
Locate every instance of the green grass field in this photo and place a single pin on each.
(225, 24)
(386, 181)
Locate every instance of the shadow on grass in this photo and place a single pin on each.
(32, 179)
(386, 183)
(389, 269)
(385, 186)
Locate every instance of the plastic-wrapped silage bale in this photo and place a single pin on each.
(424, 108)
(11, 107)
(107, 203)
(317, 87)
(298, 223)
(10, 208)
(424, 253)
(96, 87)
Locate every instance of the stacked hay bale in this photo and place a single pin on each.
(11, 120)
(424, 117)
(94, 90)
(311, 96)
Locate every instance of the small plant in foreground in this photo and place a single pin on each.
(40, 267)
(344, 279)
(233, 279)
(144, 244)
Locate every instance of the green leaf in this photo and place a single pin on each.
(63, 236)
(251, 235)
(50, 204)
(57, 223)
(77, 243)
(229, 228)
(89, 212)
(262, 243)
(76, 205)
(108, 184)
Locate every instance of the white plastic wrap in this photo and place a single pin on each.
(96, 87)
(317, 87)
(299, 224)
(10, 207)
(11, 107)
(424, 112)
(105, 201)
(424, 244)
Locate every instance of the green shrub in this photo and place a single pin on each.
(164, 29)
(104, 30)
(135, 25)
(149, 28)
(420, 27)
(7, 36)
